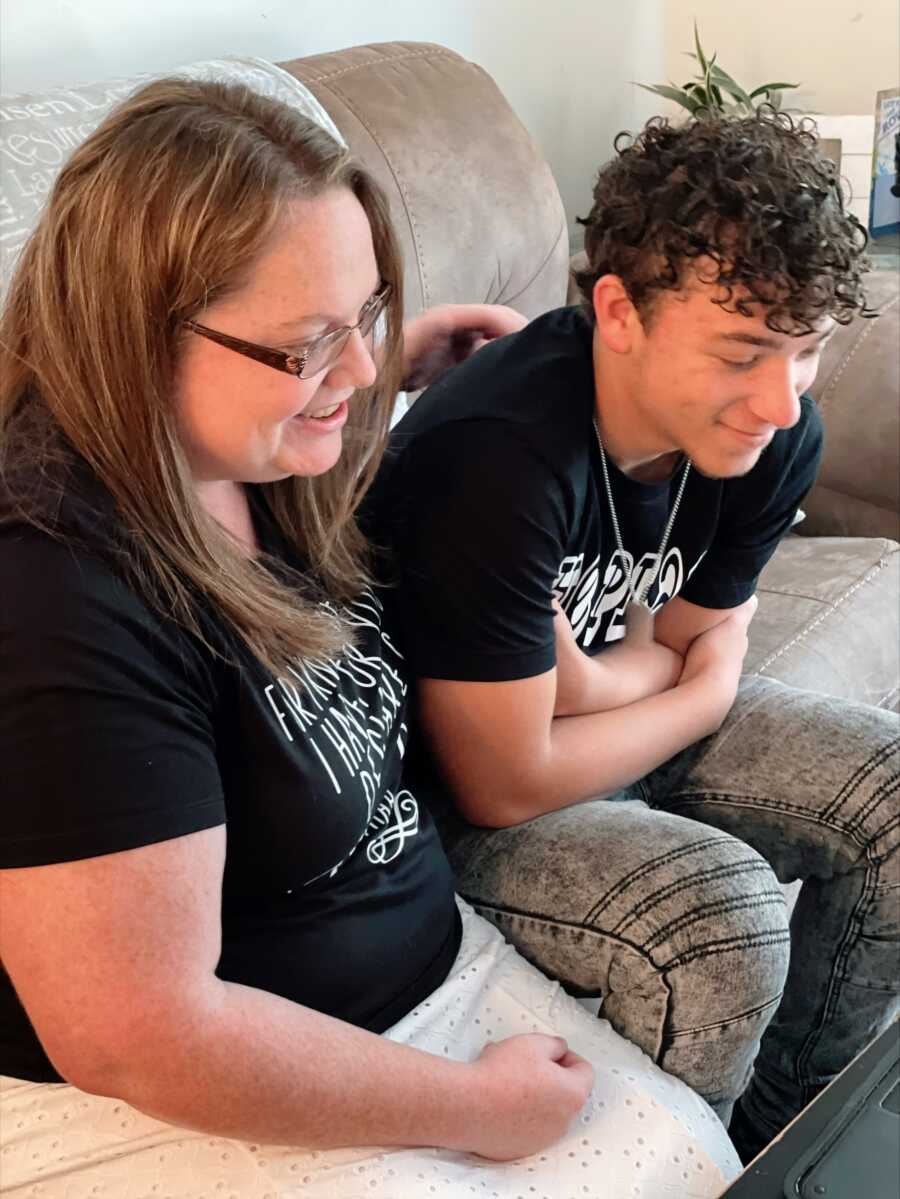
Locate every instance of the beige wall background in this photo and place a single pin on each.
(565, 66)
(842, 51)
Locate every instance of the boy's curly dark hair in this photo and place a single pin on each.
(754, 194)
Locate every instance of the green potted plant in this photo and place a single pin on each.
(846, 140)
(712, 91)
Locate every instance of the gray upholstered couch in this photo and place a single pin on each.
(480, 218)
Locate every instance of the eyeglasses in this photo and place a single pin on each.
(316, 355)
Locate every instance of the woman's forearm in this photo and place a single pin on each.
(247, 1064)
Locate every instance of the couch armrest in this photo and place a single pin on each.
(857, 492)
(476, 209)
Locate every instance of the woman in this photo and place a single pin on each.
(217, 890)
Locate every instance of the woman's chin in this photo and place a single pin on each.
(310, 460)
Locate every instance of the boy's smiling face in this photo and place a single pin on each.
(712, 383)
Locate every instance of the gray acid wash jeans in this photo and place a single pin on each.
(669, 906)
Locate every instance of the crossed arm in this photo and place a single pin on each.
(515, 750)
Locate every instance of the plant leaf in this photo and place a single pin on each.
(707, 101)
(700, 57)
(771, 87)
(672, 93)
(723, 79)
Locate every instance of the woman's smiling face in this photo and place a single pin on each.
(242, 421)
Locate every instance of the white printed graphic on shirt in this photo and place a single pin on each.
(400, 813)
(350, 729)
(596, 605)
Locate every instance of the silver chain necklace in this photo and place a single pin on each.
(638, 613)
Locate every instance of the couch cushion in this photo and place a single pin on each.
(827, 618)
(38, 133)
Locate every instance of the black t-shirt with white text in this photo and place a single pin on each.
(493, 501)
(118, 729)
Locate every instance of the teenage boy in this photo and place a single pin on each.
(580, 514)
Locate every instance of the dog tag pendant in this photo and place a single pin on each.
(638, 623)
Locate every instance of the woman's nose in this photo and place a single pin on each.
(355, 367)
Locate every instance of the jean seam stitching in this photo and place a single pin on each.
(568, 926)
(887, 828)
(710, 949)
(882, 792)
(687, 799)
(721, 907)
(755, 1011)
(859, 776)
(646, 868)
(728, 870)
(728, 945)
(836, 982)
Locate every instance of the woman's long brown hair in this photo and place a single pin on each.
(160, 212)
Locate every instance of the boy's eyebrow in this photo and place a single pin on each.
(765, 343)
(752, 339)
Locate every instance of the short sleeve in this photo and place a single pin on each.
(479, 537)
(757, 511)
(106, 713)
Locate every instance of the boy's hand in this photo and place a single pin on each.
(716, 657)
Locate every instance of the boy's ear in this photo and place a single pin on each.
(616, 316)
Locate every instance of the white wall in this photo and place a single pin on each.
(565, 67)
(841, 51)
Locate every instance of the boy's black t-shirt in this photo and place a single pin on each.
(493, 501)
(118, 729)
